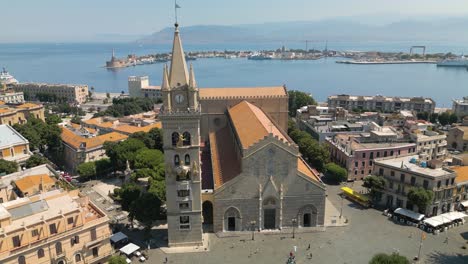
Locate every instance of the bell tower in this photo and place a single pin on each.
(180, 119)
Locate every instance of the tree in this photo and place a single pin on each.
(444, 118)
(36, 160)
(423, 116)
(145, 214)
(420, 197)
(149, 158)
(52, 119)
(7, 167)
(103, 166)
(453, 118)
(156, 135)
(120, 152)
(375, 185)
(117, 259)
(394, 258)
(298, 99)
(145, 138)
(87, 170)
(335, 172)
(128, 193)
(313, 152)
(76, 120)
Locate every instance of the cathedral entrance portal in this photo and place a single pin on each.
(207, 212)
(270, 218)
(231, 224)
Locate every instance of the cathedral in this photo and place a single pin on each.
(230, 164)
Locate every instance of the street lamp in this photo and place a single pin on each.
(294, 222)
(341, 209)
(252, 226)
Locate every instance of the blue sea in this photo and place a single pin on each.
(82, 63)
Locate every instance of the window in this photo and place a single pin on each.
(402, 177)
(175, 138)
(187, 141)
(363, 163)
(21, 260)
(438, 184)
(34, 232)
(391, 153)
(413, 180)
(187, 159)
(53, 229)
(390, 185)
(40, 253)
(385, 154)
(184, 206)
(355, 172)
(16, 241)
(77, 257)
(176, 160)
(74, 240)
(70, 220)
(362, 172)
(58, 248)
(399, 152)
(371, 156)
(95, 252)
(381, 171)
(392, 173)
(453, 180)
(183, 193)
(370, 162)
(447, 182)
(356, 164)
(370, 171)
(93, 234)
(378, 154)
(364, 155)
(184, 221)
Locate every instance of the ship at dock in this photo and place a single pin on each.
(6, 78)
(461, 61)
(259, 56)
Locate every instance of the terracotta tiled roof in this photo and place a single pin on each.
(225, 163)
(33, 180)
(128, 129)
(252, 124)
(462, 173)
(2, 103)
(306, 170)
(5, 110)
(244, 92)
(76, 141)
(93, 121)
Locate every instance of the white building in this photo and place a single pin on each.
(460, 107)
(138, 86)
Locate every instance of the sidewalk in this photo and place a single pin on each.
(332, 216)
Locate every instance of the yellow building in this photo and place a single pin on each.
(79, 149)
(13, 146)
(461, 192)
(18, 114)
(71, 93)
(53, 227)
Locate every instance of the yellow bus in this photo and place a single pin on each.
(354, 196)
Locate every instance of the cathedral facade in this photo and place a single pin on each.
(230, 164)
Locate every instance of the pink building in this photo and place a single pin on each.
(357, 154)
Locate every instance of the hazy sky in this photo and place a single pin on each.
(74, 20)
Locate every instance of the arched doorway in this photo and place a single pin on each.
(207, 212)
(308, 216)
(232, 219)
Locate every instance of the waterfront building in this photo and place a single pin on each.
(460, 107)
(229, 161)
(53, 227)
(80, 146)
(356, 153)
(403, 173)
(13, 146)
(11, 97)
(382, 103)
(75, 94)
(18, 114)
(138, 86)
(429, 144)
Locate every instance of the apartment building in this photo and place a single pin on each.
(13, 146)
(403, 173)
(57, 227)
(75, 94)
(458, 138)
(18, 114)
(460, 107)
(11, 97)
(382, 103)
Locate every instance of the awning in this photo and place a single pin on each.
(410, 214)
(117, 237)
(464, 203)
(129, 249)
(444, 218)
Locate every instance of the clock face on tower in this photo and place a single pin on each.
(179, 98)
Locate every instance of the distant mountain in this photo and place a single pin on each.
(452, 29)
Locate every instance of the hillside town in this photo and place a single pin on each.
(248, 171)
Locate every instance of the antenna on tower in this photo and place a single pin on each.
(176, 6)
